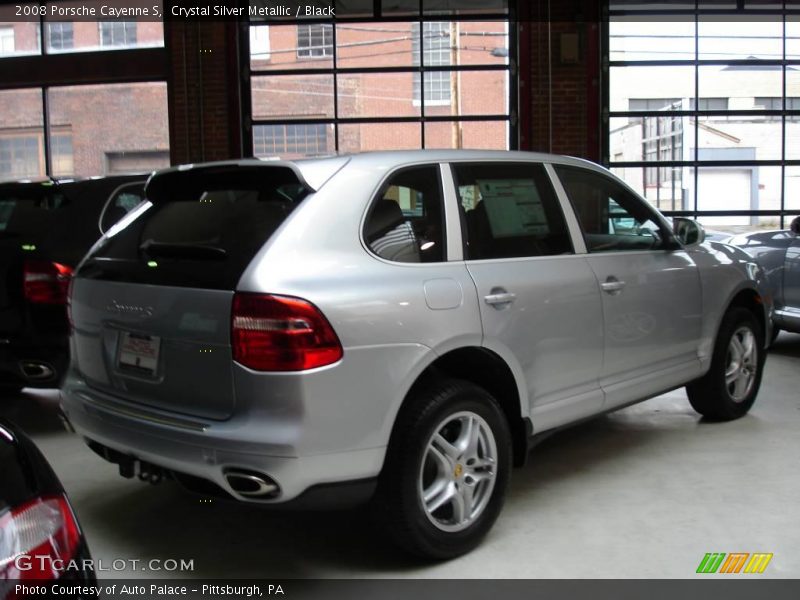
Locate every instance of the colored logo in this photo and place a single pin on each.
(735, 562)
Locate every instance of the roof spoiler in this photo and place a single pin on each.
(188, 181)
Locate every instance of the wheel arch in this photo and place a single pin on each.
(750, 299)
(488, 370)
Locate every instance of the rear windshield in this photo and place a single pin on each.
(28, 212)
(201, 230)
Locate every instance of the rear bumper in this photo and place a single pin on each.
(207, 450)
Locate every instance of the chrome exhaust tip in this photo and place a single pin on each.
(36, 370)
(251, 484)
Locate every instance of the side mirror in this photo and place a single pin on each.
(688, 232)
(794, 226)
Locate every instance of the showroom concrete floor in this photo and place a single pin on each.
(645, 492)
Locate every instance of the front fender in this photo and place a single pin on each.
(726, 272)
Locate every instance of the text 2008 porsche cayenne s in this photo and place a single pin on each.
(395, 325)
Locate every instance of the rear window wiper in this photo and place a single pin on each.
(153, 249)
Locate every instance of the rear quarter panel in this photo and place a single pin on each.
(378, 308)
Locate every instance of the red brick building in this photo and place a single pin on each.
(94, 129)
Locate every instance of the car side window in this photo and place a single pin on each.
(124, 200)
(406, 219)
(611, 217)
(510, 210)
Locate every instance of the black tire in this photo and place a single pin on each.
(398, 503)
(710, 395)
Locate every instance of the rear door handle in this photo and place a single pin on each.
(499, 298)
(612, 285)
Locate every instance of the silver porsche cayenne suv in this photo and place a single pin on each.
(396, 326)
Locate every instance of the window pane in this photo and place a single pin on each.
(18, 38)
(793, 87)
(21, 134)
(741, 84)
(86, 122)
(738, 188)
(510, 211)
(290, 141)
(384, 44)
(651, 40)
(653, 138)
(722, 226)
(739, 138)
(792, 139)
(474, 93)
(287, 96)
(736, 38)
(276, 47)
(663, 187)
(377, 95)
(481, 43)
(612, 219)
(630, 83)
(793, 37)
(406, 220)
(83, 36)
(364, 137)
(792, 190)
(481, 135)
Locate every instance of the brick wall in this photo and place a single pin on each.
(203, 111)
(563, 97)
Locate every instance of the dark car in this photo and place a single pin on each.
(40, 538)
(45, 229)
(778, 253)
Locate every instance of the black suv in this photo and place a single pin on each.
(45, 229)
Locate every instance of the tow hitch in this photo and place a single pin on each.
(130, 467)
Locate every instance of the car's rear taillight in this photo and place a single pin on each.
(37, 539)
(281, 333)
(45, 282)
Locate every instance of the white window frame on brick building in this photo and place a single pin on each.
(60, 36)
(120, 34)
(304, 139)
(259, 43)
(436, 52)
(7, 46)
(314, 40)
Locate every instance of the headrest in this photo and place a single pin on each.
(385, 216)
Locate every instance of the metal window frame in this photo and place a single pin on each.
(784, 114)
(100, 67)
(335, 71)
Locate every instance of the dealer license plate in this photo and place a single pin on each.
(139, 352)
